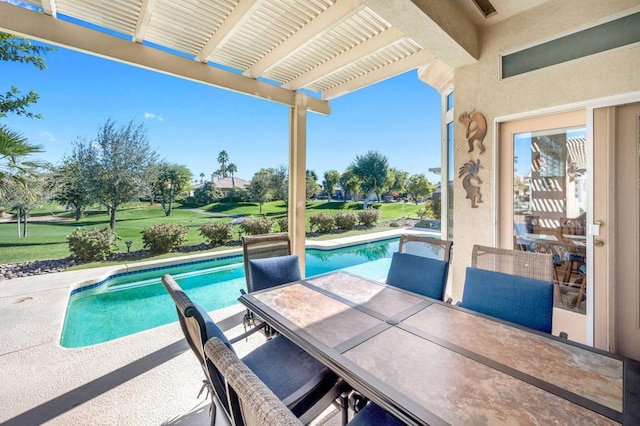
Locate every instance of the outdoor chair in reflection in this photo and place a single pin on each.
(252, 403)
(421, 265)
(301, 382)
(425, 246)
(267, 263)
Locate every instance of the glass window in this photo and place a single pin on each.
(550, 203)
(450, 101)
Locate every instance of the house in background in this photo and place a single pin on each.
(225, 185)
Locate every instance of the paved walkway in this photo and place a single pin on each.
(147, 378)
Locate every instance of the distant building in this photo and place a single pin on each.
(226, 184)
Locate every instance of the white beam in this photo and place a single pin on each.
(362, 50)
(33, 25)
(408, 63)
(146, 10)
(49, 7)
(439, 26)
(333, 16)
(240, 14)
(298, 177)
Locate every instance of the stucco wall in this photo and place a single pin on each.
(478, 87)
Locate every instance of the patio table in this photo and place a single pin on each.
(429, 362)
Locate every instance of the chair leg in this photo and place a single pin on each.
(344, 405)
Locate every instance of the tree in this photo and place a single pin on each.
(280, 183)
(232, 169)
(207, 194)
(171, 181)
(223, 158)
(117, 164)
(201, 177)
(419, 186)
(260, 186)
(350, 183)
(19, 49)
(23, 195)
(331, 179)
(397, 181)
(311, 185)
(14, 148)
(71, 187)
(373, 170)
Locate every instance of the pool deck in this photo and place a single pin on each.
(148, 378)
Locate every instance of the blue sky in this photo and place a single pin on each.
(190, 123)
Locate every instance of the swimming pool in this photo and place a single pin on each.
(131, 302)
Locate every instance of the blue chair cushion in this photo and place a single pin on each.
(285, 368)
(374, 415)
(524, 301)
(418, 274)
(273, 271)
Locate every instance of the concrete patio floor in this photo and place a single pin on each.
(147, 378)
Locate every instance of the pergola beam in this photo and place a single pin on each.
(368, 47)
(33, 25)
(146, 10)
(229, 27)
(298, 177)
(410, 62)
(49, 7)
(333, 16)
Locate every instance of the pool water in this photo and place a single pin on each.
(130, 303)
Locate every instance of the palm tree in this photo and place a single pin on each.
(13, 148)
(232, 169)
(223, 158)
(201, 177)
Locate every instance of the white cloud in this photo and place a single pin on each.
(151, 116)
(48, 136)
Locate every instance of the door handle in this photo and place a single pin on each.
(598, 242)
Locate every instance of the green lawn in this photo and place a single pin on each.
(47, 240)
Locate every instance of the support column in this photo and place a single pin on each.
(298, 177)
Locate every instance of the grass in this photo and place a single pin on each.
(47, 239)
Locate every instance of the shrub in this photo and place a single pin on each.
(432, 208)
(258, 226)
(283, 224)
(92, 244)
(236, 195)
(322, 222)
(346, 221)
(422, 224)
(368, 217)
(216, 233)
(422, 213)
(164, 237)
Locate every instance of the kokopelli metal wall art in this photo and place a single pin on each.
(476, 127)
(470, 171)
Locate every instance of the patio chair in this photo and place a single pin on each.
(418, 274)
(263, 246)
(254, 404)
(536, 265)
(421, 265)
(528, 264)
(426, 246)
(261, 274)
(299, 380)
(514, 298)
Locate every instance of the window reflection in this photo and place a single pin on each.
(550, 202)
